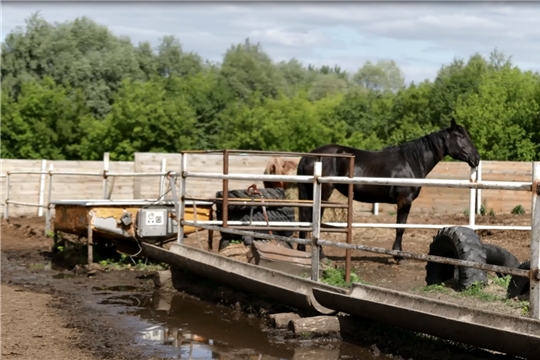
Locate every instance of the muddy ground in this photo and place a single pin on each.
(49, 307)
(381, 270)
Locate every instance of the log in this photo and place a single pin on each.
(161, 301)
(315, 326)
(318, 353)
(281, 321)
(162, 280)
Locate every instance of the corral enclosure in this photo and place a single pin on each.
(25, 188)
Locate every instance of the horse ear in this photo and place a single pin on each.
(453, 122)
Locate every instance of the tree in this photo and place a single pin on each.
(44, 123)
(77, 55)
(144, 118)
(172, 61)
(500, 117)
(383, 76)
(454, 80)
(247, 69)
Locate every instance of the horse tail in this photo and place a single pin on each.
(305, 192)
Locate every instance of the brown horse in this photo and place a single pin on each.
(279, 166)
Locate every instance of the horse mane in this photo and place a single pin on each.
(415, 148)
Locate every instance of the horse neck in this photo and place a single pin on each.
(434, 150)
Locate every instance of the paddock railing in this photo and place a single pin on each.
(316, 227)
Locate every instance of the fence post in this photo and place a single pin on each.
(375, 208)
(8, 188)
(105, 179)
(316, 221)
(162, 179)
(479, 191)
(472, 199)
(534, 290)
(49, 199)
(182, 205)
(350, 210)
(42, 186)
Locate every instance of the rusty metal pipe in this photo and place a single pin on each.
(266, 153)
(431, 258)
(422, 257)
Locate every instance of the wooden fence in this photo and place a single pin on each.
(26, 188)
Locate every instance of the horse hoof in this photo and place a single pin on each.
(402, 261)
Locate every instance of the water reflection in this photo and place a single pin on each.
(196, 329)
(192, 346)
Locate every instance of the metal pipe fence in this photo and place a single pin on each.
(472, 183)
(316, 226)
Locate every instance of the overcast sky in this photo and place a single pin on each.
(420, 37)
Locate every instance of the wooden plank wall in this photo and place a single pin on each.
(148, 188)
(431, 200)
(25, 188)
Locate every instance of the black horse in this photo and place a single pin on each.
(413, 159)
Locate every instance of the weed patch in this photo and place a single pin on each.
(494, 291)
(335, 276)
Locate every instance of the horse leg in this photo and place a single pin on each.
(306, 214)
(404, 207)
(305, 192)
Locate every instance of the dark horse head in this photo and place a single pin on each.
(460, 146)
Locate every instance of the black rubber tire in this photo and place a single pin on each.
(519, 285)
(223, 243)
(499, 256)
(457, 242)
(271, 193)
(283, 214)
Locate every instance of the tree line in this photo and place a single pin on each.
(74, 90)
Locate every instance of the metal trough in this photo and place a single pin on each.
(285, 288)
(513, 335)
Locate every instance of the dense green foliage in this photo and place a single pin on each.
(74, 90)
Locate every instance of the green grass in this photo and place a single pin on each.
(335, 276)
(495, 293)
(76, 253)
(518, 210)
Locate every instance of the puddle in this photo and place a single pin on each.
(194, 329)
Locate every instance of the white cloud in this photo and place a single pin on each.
(420, 37)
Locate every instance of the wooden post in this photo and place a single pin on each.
(316, 222)
(42, 186)
(162, 178)
(105, 179)
(90, 239)
(49, 200)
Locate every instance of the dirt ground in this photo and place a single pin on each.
(44, 317)
(58, 315)
(381, 270)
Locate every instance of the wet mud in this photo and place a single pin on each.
(119, 315)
